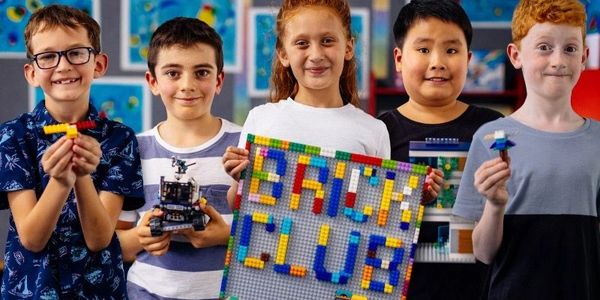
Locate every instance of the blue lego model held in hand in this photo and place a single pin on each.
(502, 144)
(180, 203)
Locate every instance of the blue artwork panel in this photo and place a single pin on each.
(142, 17)
(14, 15)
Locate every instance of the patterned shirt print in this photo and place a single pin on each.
(65, 268)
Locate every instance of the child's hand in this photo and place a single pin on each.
(56, 161)
(434, 182)
(155, 245)
(235, 161)
(215, 233)
(491, 178)
(87, 155)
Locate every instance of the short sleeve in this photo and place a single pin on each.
(16, 169)
(124, 175)
(469, 203)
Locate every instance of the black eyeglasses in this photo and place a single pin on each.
(75, 56)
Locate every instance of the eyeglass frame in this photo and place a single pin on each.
(64, 53)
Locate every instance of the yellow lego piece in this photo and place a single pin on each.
(303, 159)
(368, 171)
(265, 199)
(388, 289)
(368, 210)
(254, 185)
(340, 169)
(359, 297)
(323, 235)
(295, 201)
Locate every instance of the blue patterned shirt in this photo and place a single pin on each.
(65, 268)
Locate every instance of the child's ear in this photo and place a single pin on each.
(283, 59)
(220, 79)
(398, 59)
(349, 54)
(101, 64)
(469, 56)
(152, 84)
(586, 54)
(29, 72)
(513, 54)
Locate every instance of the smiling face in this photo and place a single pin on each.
(315, 47)
(66, 83)
(552, 57)
(433, 62)
(186, 80)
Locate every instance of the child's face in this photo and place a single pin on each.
(65, 83)
(315, 47)
(433, 62)
(552, 57)
(186, 80)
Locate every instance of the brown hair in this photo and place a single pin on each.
(530, 12)
(54, 16)
(284, 84)
(184, 32)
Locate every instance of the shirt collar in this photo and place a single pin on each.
(43, 117)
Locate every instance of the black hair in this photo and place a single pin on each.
(446, 10)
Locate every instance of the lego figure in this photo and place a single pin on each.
(502, 144)
(179, 202)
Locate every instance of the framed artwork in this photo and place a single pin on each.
(14, 15)
(261, 50)
(490, 13)
(123, 99)
(486, 71)
(139, 19)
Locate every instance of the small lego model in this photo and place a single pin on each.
(71, 129)
(502, 144)
(179, 202)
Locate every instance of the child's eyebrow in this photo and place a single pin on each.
(198, 66)
(430, 40)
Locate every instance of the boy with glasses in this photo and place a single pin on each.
(65, 194)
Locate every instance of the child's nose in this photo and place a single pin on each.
(557, 60)
(437, 61)
(63, 64)
(187, 83)
(316, 53)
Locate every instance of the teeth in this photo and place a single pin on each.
(65, 81)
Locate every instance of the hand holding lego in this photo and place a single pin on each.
(491, 178)
(57, 161)
(215, 233)
(87, 153)
(158, 245)
(433, 185)
(235, 160)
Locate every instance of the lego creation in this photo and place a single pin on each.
(315, 223)
(179, 201)
(448, 155)
(502, 144)
(70, 129)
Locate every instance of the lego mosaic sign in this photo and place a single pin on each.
(315, 223)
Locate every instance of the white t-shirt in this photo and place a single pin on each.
(346, 128)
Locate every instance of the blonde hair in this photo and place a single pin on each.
(54, 16)
(284, 84)
(530, 12)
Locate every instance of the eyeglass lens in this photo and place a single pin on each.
(75, 56)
